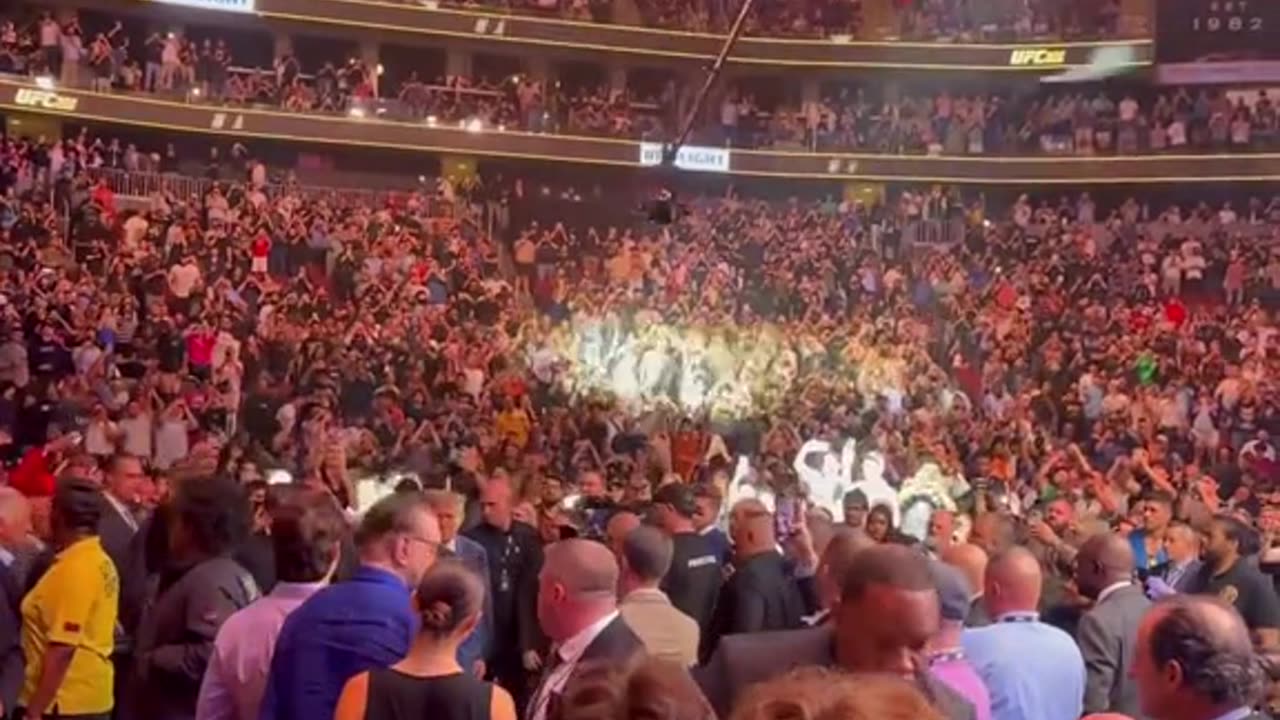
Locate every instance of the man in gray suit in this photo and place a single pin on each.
(1108, 633)
(1178, 575)
(888, 608)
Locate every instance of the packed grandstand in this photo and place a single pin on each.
(299, 426)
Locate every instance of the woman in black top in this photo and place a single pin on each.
(429, 682)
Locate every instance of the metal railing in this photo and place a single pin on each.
(144, 184)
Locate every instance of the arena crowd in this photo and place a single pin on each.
(845, 118)
(286, 454)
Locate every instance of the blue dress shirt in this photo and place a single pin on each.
(1141, 562)
(366, 622)
(1031, 669)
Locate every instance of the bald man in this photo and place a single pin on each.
(1195, 661)
(761, 594)
(971, 561)
(578, 612)
(620, 525)
(514, 553)
(1031, 669)
(833, 569)
(1108, 633)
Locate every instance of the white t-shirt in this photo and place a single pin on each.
(137, 435)
(183, 280)
(97, 438)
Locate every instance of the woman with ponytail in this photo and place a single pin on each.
(429, 682)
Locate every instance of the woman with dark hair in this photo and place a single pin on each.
(429, 682)
(880, 524)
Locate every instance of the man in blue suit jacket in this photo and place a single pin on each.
(448, 507)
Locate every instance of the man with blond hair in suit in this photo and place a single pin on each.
(666, 632)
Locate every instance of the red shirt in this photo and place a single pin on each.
(33, 477)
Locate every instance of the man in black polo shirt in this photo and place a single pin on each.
(1231, 574)
(693, 582)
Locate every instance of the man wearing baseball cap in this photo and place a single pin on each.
(693, 582)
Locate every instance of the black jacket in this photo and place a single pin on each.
(759, 596)
(176, 634)
(615, 645)
(744, 660)
(515, 559)
(11, 664)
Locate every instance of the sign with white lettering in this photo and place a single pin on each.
(690, 157)
(240, 6)
(45, 99)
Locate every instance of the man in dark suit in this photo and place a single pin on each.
(578, 611)
(760, 595)
(888, 608)
(15, 523)
(1108, 633)
(1195, 661)
(514, 553)
(121, 497)
(449, 508)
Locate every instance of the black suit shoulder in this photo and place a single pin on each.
(615, 642)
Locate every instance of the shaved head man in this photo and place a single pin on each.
(577, 609)
(1195, 661)
(618, 528)
(833, 567)
(993, 532)
(761, 594)
(1108, 633)
(1031, 669)
(971, 561)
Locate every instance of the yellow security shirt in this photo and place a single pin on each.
(75, 603)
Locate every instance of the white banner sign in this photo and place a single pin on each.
(240, 6)
(690, 157)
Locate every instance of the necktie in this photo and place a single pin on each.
(542, 696)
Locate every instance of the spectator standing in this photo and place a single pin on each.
(693, 582)
(307, 530)
(1230, 574)
(515, 557)
(1182, 546)
(1031, 669)
(429, 681)
(448, 509)
(15, 523)
(759, 596)
(577, 610)
(706, 521)
(946, 656)
(888, 610)
(667, 633)
(206, 521)
(1107, 632)
(117, 529)
(1195, 662)
(69, 616)
(1148, 541)
(971, 560)
(363, 623)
